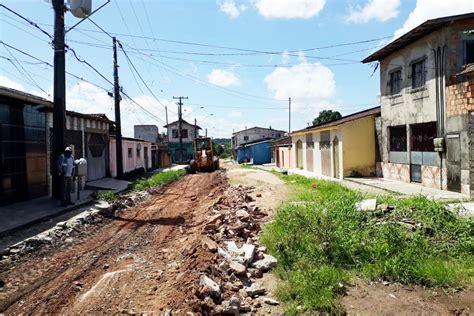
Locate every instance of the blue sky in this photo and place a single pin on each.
(238, 88)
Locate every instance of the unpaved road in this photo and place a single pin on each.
(145, 260)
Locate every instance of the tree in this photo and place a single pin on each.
(326, 116)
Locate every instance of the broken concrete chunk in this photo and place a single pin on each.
(237, 268)
(242, 215)
(214, 288)
(367, 205)
(270, 301)
(215, 219)
(224, 266)
(266, 263)
(249, 252)
(209, 244)
(254, 290)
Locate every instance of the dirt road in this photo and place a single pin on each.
(145, 260)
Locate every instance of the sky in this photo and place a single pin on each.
(238, 62)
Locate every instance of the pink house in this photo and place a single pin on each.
(136, 155)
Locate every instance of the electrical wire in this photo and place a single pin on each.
(27, 20)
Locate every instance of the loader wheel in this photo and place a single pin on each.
(192, 167)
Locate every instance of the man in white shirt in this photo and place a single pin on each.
(66, 171)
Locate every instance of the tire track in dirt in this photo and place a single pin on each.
(63, 277)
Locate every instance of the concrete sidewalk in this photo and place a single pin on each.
(405, 188)
(18, 215)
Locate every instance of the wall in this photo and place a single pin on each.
(284, 157)
(254, 134)
(129, 163)
(359, 147)
(146, 132)
(261, 153)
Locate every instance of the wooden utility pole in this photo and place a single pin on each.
(59, 111)
(289, 116)
(118, 124)
(180, 118)
(195, 128)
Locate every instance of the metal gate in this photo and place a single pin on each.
(325, 148)
(335, 155)
(95, 156)
(309, 152)
(453, 162)
(299, 154)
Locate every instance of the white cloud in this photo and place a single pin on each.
(230, 8)
(429, 9)
(378, 10)
(285, 57)
(234, 114)
(309, 85)
(223, 78)
(289, 9)
(7, 82)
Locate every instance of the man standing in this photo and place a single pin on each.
(66, 172)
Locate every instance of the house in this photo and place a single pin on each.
(427, 107)
(281, 152)
(26, 123)
(341, 148)
(135, 156)
(256, 152)
(254, 134)
(188, 133)
(160, 155)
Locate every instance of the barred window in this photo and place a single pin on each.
(398, 138)
(418, 77)
(395, 82)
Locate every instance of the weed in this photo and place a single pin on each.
(246, 166)
(107, 196)
(157, 179)
(321, 243)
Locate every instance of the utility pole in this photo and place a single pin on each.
(118, 124)
(206, 131)
(180, 134)
(195, 128)
(289, 116)
(59, 112)
(167, 134)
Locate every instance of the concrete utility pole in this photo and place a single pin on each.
(59, 112)
(289, 116)
(118, 124)
(167, 134)
(180, 134)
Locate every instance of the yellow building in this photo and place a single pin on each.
(345, 147)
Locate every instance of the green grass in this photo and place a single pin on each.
(107, 196)
(321, 245)
(246, 166)
(159, 178)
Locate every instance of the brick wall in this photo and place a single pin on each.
(460, 98)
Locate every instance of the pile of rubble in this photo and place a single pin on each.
(67, 231)
(231, 232)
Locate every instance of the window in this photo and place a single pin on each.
(418, 77)
(278, 135)
(184, 133)
(398, 138)
(246, 138)
(309, 145)
(395, 82)
(422, 136)
(174, 133)
(130, 153)
(469, 52)
(138, 152)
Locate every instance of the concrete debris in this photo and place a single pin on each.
(266, 263)
(207, 283)
(367, 205)
(270, 301)
(232, 227)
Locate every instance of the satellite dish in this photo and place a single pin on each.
(80, 8)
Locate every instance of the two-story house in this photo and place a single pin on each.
(426, 104)
(253, 134)
(188, 133)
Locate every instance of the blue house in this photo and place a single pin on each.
(257, 153)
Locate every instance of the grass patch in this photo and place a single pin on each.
(246, 166)
(323, 240)
(107, 196)
(157, 179)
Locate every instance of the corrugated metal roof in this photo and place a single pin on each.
(468, 70)
(344, 119)
(415, 34)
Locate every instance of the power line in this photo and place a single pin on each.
(140, 76)
(27, 20)
(88, 64)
